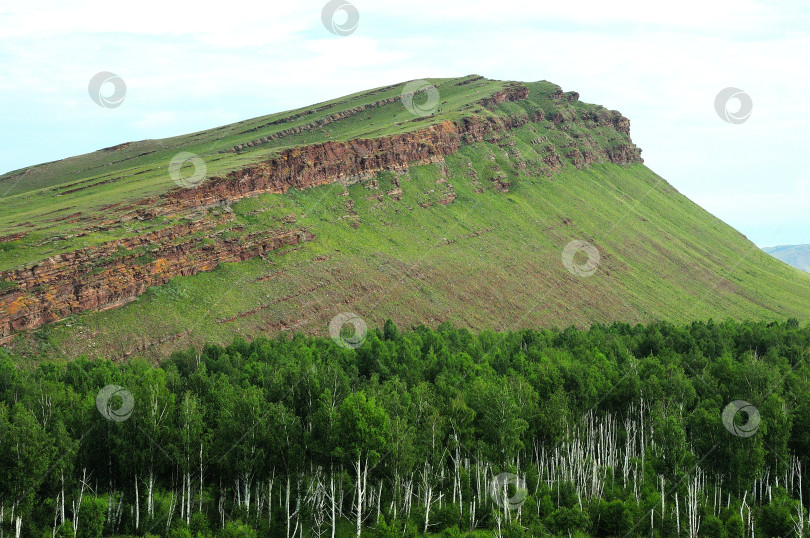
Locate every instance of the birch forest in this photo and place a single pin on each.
(619, 430)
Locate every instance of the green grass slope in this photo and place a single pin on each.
(438, 242)
(85, 200)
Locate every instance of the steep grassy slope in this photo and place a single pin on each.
(473, 234)
(796, 255)
(90, 199)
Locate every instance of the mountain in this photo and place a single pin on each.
(796, 255)
(490, 204)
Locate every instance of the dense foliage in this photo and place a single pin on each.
(614, 431)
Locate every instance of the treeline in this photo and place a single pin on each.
(659, 430)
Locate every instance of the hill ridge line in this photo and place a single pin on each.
(354, 160)
(116, 272)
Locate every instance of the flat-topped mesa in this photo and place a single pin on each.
(117, 272)
(331, 162)
(512, 93)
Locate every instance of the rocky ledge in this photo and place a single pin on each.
(117, 272)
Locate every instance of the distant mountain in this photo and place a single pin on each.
(795, 255)
(489, 204)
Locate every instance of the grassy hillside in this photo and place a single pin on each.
(796, 255)
(477, 239)
(86, 200)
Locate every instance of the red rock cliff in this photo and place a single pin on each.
(115, 273)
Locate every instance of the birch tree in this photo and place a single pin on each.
(365, 429)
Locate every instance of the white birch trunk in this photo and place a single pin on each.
(359, 498)
(137, 505)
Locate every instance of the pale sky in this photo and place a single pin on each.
(193, 65)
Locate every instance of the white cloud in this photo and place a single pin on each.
(192, 65)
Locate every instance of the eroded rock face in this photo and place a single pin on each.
(117, 272)
(99, 278)
(515, 92)
(319, 164)
(330, 162)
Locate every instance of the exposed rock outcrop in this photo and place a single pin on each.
(117, 272)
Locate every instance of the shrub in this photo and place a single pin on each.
(237, 529)
(92, 517)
